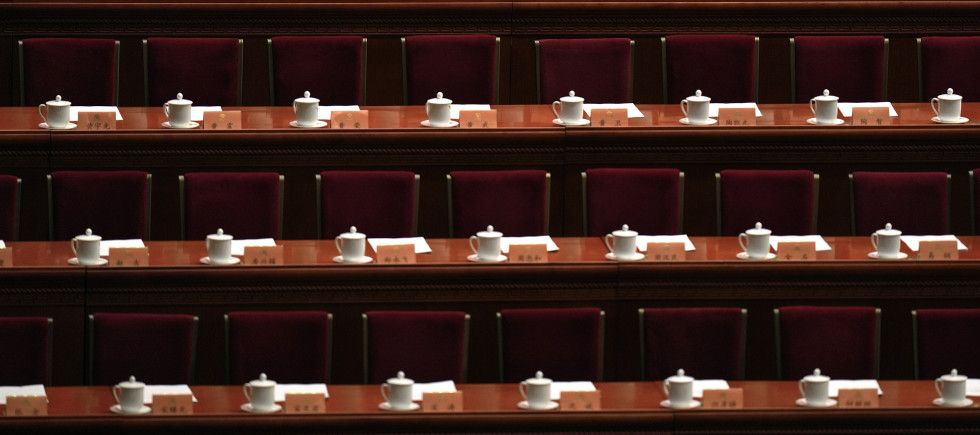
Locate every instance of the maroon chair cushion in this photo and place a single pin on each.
(428, 346)
(82, 71)
(706, 342)
(378, 203)
(9, 207)
(462, 67)
(648, 200)
(512, 201)
(205, 70)
(156, 348)
(913, 202)
(950, 62)
(243, 204)
(24, 344)
(111, 203)
(851, 67)
(330, 67)
(288, 346)
(840, 341)
(696, 62)
(946, 340)
(564, 343)
(782, 200)
(598, 70)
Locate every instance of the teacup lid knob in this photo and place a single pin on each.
(306, 94)
(949, 91)
(57, 97)
(263, 377)
(133, 378)
(680, 372)
(401, 374)
(697, 93)
(888, 226)
(88, 231)
(180, 96)
(826, 92)
(571, 93)
(758, 225)
(954, 372)
(539, 375)
(221, 232)
(626, 227)
(439, 95)
(816, 372)
(353, 229)
(489, 228)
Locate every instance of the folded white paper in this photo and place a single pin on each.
(505, 242)
(558, 387)
(708, 384)
(2, 246)
(455, 108)
(820, 242)
(283, 389)
(643, 241)
(150, 390)
(973, 387)
(432, 387)
(325, 111)
(197, 112)
(837, 384)
(421, 247)
(847, 108)
(127, 243)
(631, 110)
(913, 241)
(713, 108)
(238, 246)
(26, 390)
(73, 111)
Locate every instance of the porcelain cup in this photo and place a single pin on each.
(755, 242)
(58, 112)
(398, 392)
(351, 245)
(887, 242)
(679, 390)
(178, 112)
(824, 108)
(571, 108)
(947, 106)
(261, 393)
(537, 391)
(487, 246)
(815, 388)
(438, 110)
(86, 248)
(696, 108)
(307, 109)
(129, 395)
(622, 243)
(952, 388)
(219, 247)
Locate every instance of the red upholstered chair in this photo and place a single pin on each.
(156, 348)
(378, 203)
(564, 343)
(288, 346)
(650, 201)
(944, 340)
(330, 67)
(247, 205)
(843, 342)
(708, 343)
(428, 346)
(208, 71)
(465, 68)
(600, 70)
(514, 202)
(26, 344)
(114, 204)
(83, 71)
(692, 62)
(785, 201)
(949, 62)
(914, 202)
(9, 207)
(854, 68)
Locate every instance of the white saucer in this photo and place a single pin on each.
(118, 410)
(248, 408)
(319, 124)
(234, 260)
(802, 402)
(813, 121)
(551, 405)
(364, 260)
(477, 259)
(961, 120)
(582, 121)
(191, 125)
(692, 404)
(45, 126)
(74, 261)
(940, 402)
(711, 121)
(384, 406)
(901, 256)
(745, 256)
(636, 257)
(451, 124)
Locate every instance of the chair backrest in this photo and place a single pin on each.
(708, 343)
(650, 201)
(843, 342)
(378, 203)
(288, 346)
(429, 346)
(943, 340)
(599, 70)
(155, 348)
(27, 347)
(207, 71)
(247, 205)
(514, 202)
(564, 343)
(854, 68)
(114, 204)
(692, 62)
(465, 68)
(330, 67)
(9, 207)
(784, 201)
(949, 62)
(83, 71)
(917, 203)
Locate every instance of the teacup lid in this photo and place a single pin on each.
(220, 235)
(57, 101)
(262, 381)
(758, 230)
(697, 97)
(489, 232)
(826, 96)
(439, 100)
(353, 234)
(888, 231)
(949, 95)
(953, 376)
(306, 98)
(571, 98)
(88, 236)
(400, 379)
(180, 100)
(538, 379)
(816, 377)
(625, 232)
(131, 383)
(680, 378)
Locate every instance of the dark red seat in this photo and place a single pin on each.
(708, 343)
(842, 342)
(465, 68)
(26, 343)
(378, 203)
(114, 204)
(854, 68)
(944, 340)
(784, 201)
(429, 346)
(9, 207)
(207, 71)
(949, 62)
(914, 202)
(599, 70)
(564, 343)
(693, 62)
(330, 67)
(247, 205)
(83, 71)
(648, 200)
(288, 346)
(514, 202)
(155, 348)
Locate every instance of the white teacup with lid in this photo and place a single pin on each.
(571, 109)
(219, 247)
(261, 395)
(58, 113)
(351, 245)
(755, 242)
(86, 248)
(824, 108)
(695, 108)
(680, 391)
(887, 242)
(397, 392)
(307, 109)
(815, 389)
(623, 244)
(438, 110)
(947, 107)
(178, 112)
(536, 392)
(952, 390)
(129, 396)
(487, 247)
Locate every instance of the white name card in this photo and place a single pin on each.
(736, 117)
(938, 250)
(27, 406)
(173, 404)
(6, 257)
(610, 118)
(97, 121)
(396, 254)
(349, 119)
(731, 398)
(857, 398)
(478, 118)
(876, 115)
(263, 255)
(222, 120)
(797, 251)
(666, 251)
(529, 253)
(451, 401)
(131, 257)
(305, 403)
